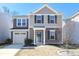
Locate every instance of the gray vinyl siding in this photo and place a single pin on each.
(58, 36)
(15, 19)
(46, 24)
(45, 10)
(31, 33)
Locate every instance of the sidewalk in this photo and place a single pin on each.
(10, 50)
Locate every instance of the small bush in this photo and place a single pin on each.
(8, 41)
(28, 41)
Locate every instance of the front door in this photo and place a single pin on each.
(39, 37)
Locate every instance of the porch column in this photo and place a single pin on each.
(34, 36)
(44, 36)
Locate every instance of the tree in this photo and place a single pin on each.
(6, 10)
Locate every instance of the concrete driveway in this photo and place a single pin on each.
(10, 50)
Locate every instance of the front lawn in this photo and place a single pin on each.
(46, 50)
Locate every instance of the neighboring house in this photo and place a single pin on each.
(43, 26)
(72, 29)
(5, 24)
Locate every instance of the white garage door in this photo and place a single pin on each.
(18, 37)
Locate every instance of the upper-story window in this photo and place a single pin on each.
(39, 19)
(21, 22)
(52, 18)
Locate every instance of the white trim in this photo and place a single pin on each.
(38, 19)
(39, 28)
(19, 30)
(45, 14)
(52, 30)
(17, 22)
(34, 37)
(44, 36)
(45, 5)
(21, 22)
(51, 19)
(29, 25)
(43, 32)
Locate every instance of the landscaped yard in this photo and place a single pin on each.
(39, 51)
(47, 50)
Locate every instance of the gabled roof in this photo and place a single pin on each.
(77, 13)
(45, 5)
(72, 16)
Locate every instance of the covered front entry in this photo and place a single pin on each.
(39, 36)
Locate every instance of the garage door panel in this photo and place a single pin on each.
(18, 37)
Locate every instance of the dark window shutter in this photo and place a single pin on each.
(14, 23)
(35, 18)
(27, 34)
(55, 18)
(14, 20)
(48, 34)
(55, 35)
(42, 18)
(48, 19)
(27, 23)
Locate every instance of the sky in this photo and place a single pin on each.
(67, 9)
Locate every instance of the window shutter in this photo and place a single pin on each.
(55, 35)
(27, 23)
(48, 34)
(42, 18)
(14, 22)
(55, 18)
(48, 19)
(35, 18)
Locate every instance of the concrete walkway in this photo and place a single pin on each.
(10, 50)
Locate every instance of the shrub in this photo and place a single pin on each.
(28, 41)
(8, 41)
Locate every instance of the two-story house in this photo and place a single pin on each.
(43, 26)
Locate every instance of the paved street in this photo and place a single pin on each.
(10, 50)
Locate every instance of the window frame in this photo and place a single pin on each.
(17, 21)
(36, 20)
(21, 22)
(50, 34)
(49, 19)
(25, 22)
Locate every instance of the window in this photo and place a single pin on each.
(52, 34)
(21, 22)
(39, 19)
(51, 19)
